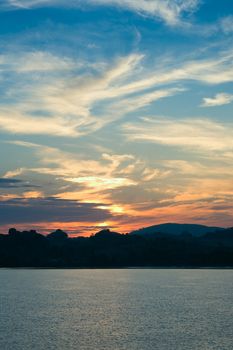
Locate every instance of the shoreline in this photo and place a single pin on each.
(123, 268)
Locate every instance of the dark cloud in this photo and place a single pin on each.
(223, 207)
(21, 210)
(15, 183)
(9, 183)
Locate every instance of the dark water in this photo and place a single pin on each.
(116, 309)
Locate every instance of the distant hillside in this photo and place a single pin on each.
(173, 229)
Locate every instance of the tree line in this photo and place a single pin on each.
(108, 249)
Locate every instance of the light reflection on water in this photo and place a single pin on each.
(116, 309)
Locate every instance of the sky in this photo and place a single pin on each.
(115, 114)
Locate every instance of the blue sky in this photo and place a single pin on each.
(118, 112)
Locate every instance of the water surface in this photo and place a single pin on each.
(116, 309)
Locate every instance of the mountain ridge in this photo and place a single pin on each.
(176, 229)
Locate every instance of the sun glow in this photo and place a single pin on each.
(103, 224)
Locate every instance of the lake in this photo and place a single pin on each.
(129, 309)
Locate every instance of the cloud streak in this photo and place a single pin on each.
(7, 183)
(170, 11)
(199, 135)
(219, 100)
(226, 24)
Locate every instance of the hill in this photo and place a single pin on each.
(173, 229)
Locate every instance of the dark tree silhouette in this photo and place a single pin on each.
(110, 249)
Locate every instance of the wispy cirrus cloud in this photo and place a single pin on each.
(131, 104)
(218, 100)
(199, 135)
(170, 11)
(226, 24)
(58, 104)
(49, 95)
(35, 61)
(48, 105)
